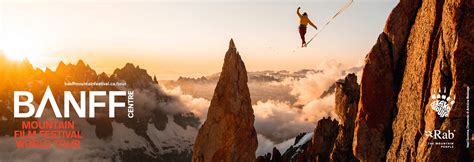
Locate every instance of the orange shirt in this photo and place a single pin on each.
(304, 20)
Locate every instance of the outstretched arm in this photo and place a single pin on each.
(298, 12)
(311, 23)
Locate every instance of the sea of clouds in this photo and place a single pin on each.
(277, 122)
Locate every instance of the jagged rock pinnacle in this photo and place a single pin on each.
(231, 44)
(80, 63)
(228, 133)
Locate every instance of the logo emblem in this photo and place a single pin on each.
(439, 134)
(442, 103)
(429, 134)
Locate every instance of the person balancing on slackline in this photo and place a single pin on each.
(304, 21)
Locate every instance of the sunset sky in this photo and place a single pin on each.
(187, 38)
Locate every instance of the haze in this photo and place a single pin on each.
(187, 38)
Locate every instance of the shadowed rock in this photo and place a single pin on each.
(347, 99)
(426, 45)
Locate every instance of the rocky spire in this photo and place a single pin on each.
(347, 99)
(228, 133)
(231, 44)
(325, 134)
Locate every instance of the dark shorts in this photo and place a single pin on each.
(302, 30)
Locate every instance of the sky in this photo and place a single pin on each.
(187, 38)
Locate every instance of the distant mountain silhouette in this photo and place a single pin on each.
(161, 135)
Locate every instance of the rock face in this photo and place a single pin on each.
(276, 155)
(426, 46)
(380, 82)
(373, 120)
(329, 141)
(347, 99)
(323, 140)
(301, 150)
(228, 133)
(314, 146)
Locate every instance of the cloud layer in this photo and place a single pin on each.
(278, 122)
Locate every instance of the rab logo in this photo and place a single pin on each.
(442, 103)
(438, 134)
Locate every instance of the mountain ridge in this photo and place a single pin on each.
(151, 119)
